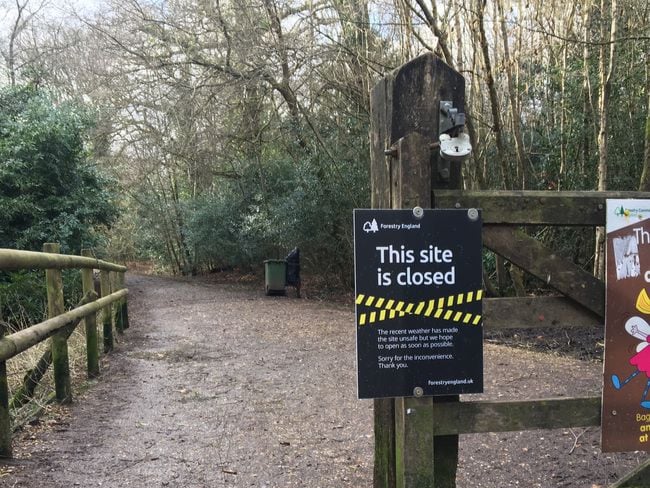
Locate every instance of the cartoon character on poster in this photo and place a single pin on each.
(640, 329)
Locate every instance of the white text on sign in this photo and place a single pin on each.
(408, 277)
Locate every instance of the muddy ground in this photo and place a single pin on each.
(217, 385)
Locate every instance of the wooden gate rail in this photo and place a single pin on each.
(528, 207)
(58, 327)
(502, 416)
(534, 312)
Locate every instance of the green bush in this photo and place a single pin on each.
(49, 192)
(298, 207)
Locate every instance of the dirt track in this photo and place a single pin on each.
(217, 385)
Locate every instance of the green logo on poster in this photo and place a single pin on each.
(621, 212)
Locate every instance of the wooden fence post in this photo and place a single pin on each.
(5, 417)
(124, 307)
(107, 313)
(92, 348)
(405, 113)
(116, 285)
(56, 306)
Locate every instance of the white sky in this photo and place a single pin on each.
(46, 10)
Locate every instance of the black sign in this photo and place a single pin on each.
(418, 302)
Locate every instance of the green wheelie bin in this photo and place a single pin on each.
(275, 276)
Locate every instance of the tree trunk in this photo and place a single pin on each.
(587, 112)
(492, 92)
(644, 184)
(430, 15)
(283, 86)
(606, 70)
(18, 26)
(522, 175)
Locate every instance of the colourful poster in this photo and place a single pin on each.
(626, 382)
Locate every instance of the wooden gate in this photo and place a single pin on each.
(422, 450)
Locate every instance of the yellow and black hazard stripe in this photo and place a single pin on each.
(438, 308)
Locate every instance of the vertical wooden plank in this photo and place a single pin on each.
(107, 313)
(380, 118)
(92, 347)
(412, 178)
(59, 341)
(405, 114)
(445, 450)
(414, 445)
(412, 173)
(445, 85)
(384, 469)
(5, 417)
(414, 441)
(380, 174)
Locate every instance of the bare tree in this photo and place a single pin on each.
(24, 15)
(497, 126)
(522, 166)
(606, 72)
(644, 184)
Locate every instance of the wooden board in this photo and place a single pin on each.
(533, 312)
(490, 416)
(411, 175)
(381, 104)
(414, 442)
(569, 208)
(530, 255)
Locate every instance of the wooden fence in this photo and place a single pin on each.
(60, 324)
(421, 450)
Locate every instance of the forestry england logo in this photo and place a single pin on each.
(374, 227)
(639, 213)
(622, 212)
(369, 227)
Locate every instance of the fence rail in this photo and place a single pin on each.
(20, 341)
(11, 260)
(60, 324)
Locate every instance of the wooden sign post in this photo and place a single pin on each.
(405, 172)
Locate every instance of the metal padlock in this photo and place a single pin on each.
(456, 148)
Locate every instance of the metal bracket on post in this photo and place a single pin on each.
(451, 122)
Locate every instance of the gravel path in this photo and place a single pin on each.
(216, 385)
